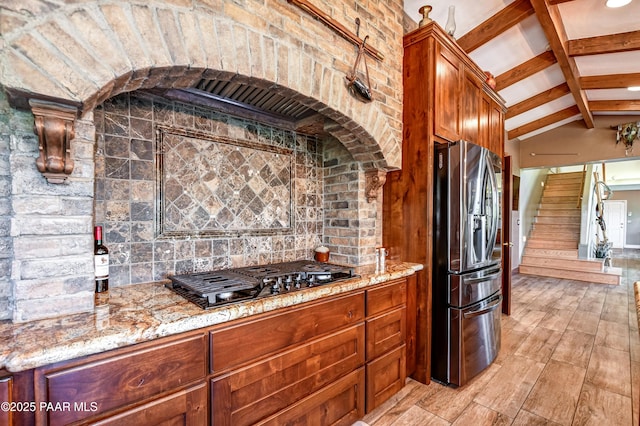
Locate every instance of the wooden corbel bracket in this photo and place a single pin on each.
(54, 125)
(374, 180)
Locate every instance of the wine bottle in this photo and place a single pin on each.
(101, 262)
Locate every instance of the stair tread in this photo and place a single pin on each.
(565, 174)
(558, 253)
(580, 265)
(555, 235)
(611, 277)
(555, 226)
(551, 213)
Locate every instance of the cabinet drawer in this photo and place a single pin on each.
(112, 380)
(386, 297)
(264, 388)
(187, 407)
(385, 332)
(248, 341)
(340, 404)
(385, 376)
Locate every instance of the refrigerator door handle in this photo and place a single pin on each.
(483, 278)
(491, 307)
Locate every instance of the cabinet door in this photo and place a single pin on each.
(447, 97)
(385, 377)
(6, 395)
(485, 117)
(340, 404)
(260, 390)
(385, 332)
(470, 102)
(188, 408)
(491, 125)
(496, 129)
(116, 379)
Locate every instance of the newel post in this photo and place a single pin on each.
(53, 123)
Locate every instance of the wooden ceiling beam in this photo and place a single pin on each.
(623, 42)
(551, 22)
(618, 105)
(526, 69)
(537, 100)
(543, 122)
(611, 81)
(558, 1)
(511, 15)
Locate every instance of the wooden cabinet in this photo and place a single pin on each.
(459, 96)
(242, 342)
(185, 407)
(491, 133)
(129, 380)
(470, 102)
(248, 395)
(6, 395)
(266, 364)
(458, 91)
(446, 99)
(321, 362)
(389, 373)
(386, 328)
(339, 404)
(448, 88)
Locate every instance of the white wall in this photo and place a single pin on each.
(531, 186)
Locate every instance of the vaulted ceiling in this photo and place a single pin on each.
(555, 61)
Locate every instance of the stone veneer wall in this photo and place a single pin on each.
(351, 224)
(125, 193)
(6, 244)
(50, 244)
(85, 52)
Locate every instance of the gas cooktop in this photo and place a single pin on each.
(215, 288)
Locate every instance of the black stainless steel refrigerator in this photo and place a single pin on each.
(466, 262)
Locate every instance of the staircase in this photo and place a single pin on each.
(552, 247)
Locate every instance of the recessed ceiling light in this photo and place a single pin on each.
(634, 88)
(617, 3)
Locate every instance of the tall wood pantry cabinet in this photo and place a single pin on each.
(446, 99)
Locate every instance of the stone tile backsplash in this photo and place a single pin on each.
(131, 190)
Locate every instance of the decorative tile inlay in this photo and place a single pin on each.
(213, 185)
(127, 202)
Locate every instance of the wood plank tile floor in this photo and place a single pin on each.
(570, 355)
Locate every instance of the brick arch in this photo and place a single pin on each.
(86, 53)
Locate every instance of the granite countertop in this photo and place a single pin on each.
(143, 312)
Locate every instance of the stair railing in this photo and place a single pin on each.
(582, 182)
(603, 245)
(587, 244)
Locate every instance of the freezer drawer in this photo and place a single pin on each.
(475, 339)
(470, 288)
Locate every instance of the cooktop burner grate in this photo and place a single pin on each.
(211, 289)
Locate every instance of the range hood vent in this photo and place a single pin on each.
(256, 98)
